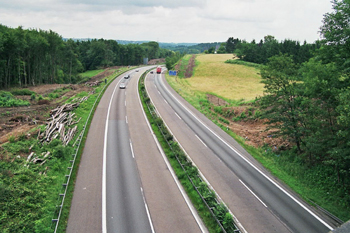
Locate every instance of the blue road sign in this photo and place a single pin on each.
(172, 72)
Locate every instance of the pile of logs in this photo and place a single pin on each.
(60, 123)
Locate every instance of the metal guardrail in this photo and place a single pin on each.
(154, 114)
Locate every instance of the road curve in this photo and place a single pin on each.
(256, 199)
(139, 197)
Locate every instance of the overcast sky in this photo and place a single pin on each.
(194, 21)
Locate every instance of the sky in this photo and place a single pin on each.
(178, 21)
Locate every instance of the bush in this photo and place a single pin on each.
(218, 109)
(8, 100)
(22, 92)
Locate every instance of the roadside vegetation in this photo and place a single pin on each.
(305, 105)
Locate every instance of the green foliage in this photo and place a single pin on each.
(8, 100)
(260, 52)
(245, 63)
(22, 92)
(170, 61)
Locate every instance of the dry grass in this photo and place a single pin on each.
(230, 81)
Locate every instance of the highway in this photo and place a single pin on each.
(124, 184)
(259, 201)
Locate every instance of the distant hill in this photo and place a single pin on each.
(190, 48)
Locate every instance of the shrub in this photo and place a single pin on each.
(218, 109)
(8, 100)
(22, 92)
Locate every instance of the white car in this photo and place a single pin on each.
(122, 86)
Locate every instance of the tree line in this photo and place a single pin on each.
(309, 102)
(32, 57)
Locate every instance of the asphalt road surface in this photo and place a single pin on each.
(259, 202)
(124, 183)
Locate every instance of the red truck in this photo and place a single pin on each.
(159, 70)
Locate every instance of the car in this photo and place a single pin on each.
(122, 86)
(136, 70)
(151, 72)
(126, 77)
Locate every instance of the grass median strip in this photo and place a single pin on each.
(214, 214)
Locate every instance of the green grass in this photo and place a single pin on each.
(91, 73)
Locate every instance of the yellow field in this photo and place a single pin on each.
(230, 81)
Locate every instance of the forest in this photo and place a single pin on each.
(32, 57)
(306, 97)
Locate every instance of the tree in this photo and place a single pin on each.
(336, 33)
(282, 102)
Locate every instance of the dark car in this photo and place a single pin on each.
(126, 77)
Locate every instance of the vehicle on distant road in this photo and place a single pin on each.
(159, 70)
(126, 77)
(136, 70)
(151, 72)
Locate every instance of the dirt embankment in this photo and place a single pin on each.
(253, 130)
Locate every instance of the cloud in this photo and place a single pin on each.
(170, 21)
(140, 3)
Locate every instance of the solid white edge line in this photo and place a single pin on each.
(104, 207)
(257, 169)
(253, 193)
(201, 140)
(126, 119)
(184, 195)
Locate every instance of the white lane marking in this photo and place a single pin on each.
(126, 119)
(201, 140)
(166, 102)
(147, 210)
(158, 92)
(252, 165)
(132, 150)
(253, 193)
(125, 103)
(104, 207)
(184, 195)
(178, 116)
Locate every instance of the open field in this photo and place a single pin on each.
(230, 81)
